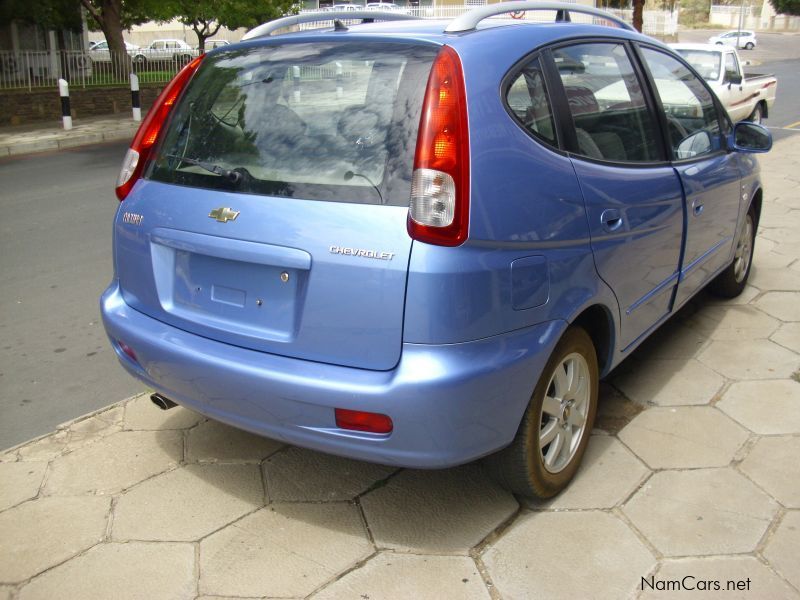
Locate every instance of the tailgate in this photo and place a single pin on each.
(321, 281)
(272, 215)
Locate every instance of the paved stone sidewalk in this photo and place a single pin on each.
(43, 137)
(693, 470)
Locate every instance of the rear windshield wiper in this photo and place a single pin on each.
(232, 176)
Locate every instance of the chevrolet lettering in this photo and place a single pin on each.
(362, 253)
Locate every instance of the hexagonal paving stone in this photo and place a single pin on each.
(188, 503)
(608, 474)
(300, 475)
(674, 340)
(756, 359)
(773, 464)
(788, 336)
(133, 570)
(669, 382)
(45, 449)
(5, 592)
(568, 555)
(785, 280)
(213, 441)
(283, 550)
(39, 534)
(781, 550)
(701, 512)
(90, 429)
(765, 407)
(684, 437)
(730, 572)
(142, 414)
(732, 323)
(19, 481)
(118, 462)
(437, 512)
(401, 577)
(781, 305)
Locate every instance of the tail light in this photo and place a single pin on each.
(439, 212)
(146, 137)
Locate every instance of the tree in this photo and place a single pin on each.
(205, 17)
(56, 15)
(112, 16)
(786, 7)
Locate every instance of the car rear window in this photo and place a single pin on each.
(319, 121)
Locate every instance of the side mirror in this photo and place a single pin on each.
(750, 137)
(733, 78)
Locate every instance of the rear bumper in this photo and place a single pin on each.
(450, 403)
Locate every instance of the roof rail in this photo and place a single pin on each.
(469, 21)
(269, 27)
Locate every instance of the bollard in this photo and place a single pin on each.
(296, 82)
(66, 115)
(136, 99)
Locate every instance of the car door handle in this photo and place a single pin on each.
(611, 219)
(697, 209)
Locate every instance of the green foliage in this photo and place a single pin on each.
(786, 7)
(49, 14)
(694, 12)
(207, 16)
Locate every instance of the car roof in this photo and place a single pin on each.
(433, 30)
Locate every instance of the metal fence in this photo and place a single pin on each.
(35, 69)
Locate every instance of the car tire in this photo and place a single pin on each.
(555, 429)
(733, 279)
(720, 44)
(140, 61)
(749, 46)
(757, 115)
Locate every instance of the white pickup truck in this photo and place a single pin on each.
(747, 96)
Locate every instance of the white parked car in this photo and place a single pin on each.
(382, 6)
(347, 6)
(746, 96)
(737, 39)
(166, 49)
(99, 51)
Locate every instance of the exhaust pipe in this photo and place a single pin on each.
(162, 402)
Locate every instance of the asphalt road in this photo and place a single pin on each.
(55, 260)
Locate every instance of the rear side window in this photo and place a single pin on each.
(611, 119)
(317, 121)
(527, 100)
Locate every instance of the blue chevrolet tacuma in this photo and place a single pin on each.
(420, 243)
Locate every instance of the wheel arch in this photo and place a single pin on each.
(756, 203)
(598, 322)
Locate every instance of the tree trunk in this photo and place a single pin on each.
(638, 17)
(109, 18)
(204, 33)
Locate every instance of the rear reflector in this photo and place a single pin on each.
(127, 351)
(439, 209)
(358, 420)
(136, 158)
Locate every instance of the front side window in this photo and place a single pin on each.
(692, 119)
(612, 121)
(527, 99)
(731, 66)
(319, 121)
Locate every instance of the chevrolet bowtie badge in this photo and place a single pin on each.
(223, 214)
